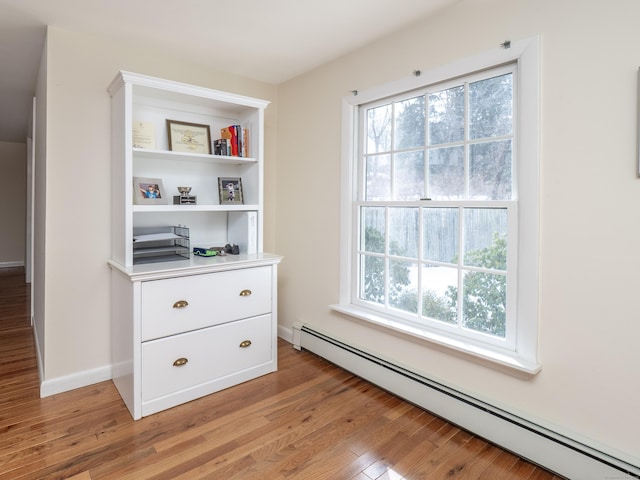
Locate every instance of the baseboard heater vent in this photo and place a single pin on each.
(560, 454)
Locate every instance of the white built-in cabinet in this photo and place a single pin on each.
(184, 327)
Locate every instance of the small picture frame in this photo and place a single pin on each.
(189, 137)
(148, 191)
(230, 191)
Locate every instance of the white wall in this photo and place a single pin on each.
(590, 202)
(13, 201)
(73, 309)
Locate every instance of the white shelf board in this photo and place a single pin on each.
(192, 157)
(194, 208)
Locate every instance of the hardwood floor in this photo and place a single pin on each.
(309, 420)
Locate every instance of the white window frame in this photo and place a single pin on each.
(523, 352)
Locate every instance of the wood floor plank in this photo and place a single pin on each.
(418, 446)
(388, 454)
(328, 445)
(308, 420)
(480, 462)
(312, 434)
(522, 469)
(456, 465)
(81, 476)
(446, 459)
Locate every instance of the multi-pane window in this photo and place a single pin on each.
(437, 207)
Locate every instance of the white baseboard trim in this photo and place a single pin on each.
(565, 456)
(11, 264)
(75, 380)
(38, 351)
(285, 333)
(65, 383)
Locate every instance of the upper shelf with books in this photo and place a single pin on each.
(163, 135)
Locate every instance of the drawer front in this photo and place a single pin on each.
(183, 361)
(177, 305)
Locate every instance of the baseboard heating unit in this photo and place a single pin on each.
(560, 454)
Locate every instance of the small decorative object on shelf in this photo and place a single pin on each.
(189, 137)
(209, 251)
(221, 147)
(148, 191)
(232, 249)
(184, 198)
(230, 191)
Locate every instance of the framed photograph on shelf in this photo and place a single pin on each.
(230, 191)
(148, 191)
(189, 137)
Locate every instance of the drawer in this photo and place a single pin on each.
(177, 305)
(210, 354)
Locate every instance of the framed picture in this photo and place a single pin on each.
(230, 191)
(144, 135)
(148, 191)
(189, 137)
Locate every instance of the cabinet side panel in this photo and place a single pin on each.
(119, 217)
(123, 341)
(274, 315)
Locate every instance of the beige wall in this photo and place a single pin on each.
(590, 197)
(74, 308)
(13, 201)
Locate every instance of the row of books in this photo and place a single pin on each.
(233, 141)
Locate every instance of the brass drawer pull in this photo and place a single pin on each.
(245, 344)
(180, 362)
(245, 293)
(180, 304)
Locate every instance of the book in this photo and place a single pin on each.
(245, 142)
(238, 130)
(229, 133)
(237, 140)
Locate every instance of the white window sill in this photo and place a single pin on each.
(510, 360)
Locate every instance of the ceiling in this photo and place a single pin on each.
(273, 40)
